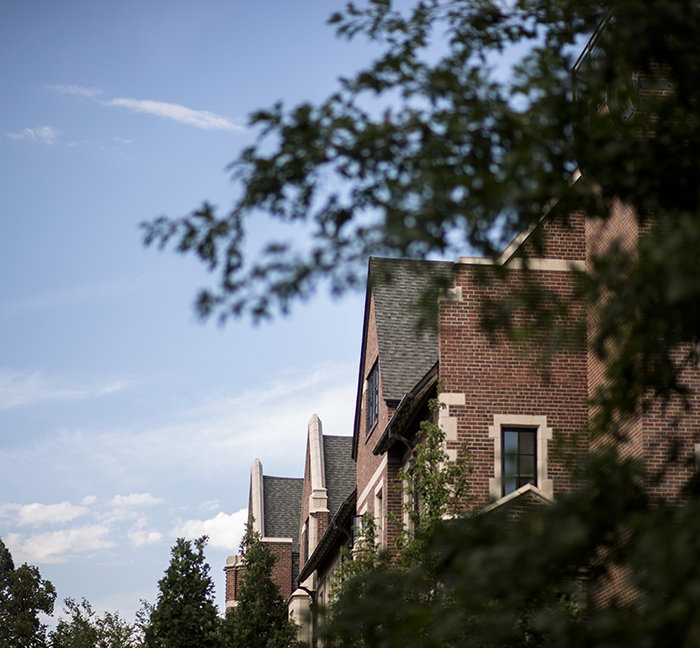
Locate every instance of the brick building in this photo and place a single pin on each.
(422, 339)
(297, 518)
(273, 510)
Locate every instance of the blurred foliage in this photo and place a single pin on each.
(458, 137)
(24, 595)
(433, 488)
(533, 581)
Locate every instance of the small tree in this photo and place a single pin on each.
(85, 629)
(23, 595)
(260, 619)
(437, 489)
(185, 614)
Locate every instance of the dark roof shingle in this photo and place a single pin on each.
(340, 470)
(405, 294)
(282, 507)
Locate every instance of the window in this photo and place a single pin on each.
(519, 458)
(372, 397)
(520, 453)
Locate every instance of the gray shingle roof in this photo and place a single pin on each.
(282, 507)
(405, 303)
(340, 470)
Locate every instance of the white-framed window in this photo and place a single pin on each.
(521, 444)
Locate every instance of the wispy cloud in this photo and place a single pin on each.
(208, 442)
(46, 134)
(223, 434)
(90, 93)
(198, 118)
(202, 119)
(79, 294)
(18, 388)
(224, 531)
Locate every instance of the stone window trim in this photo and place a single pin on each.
(379, 517)
(544, 435)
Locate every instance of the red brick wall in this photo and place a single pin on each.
(652, 435)
(504, 379)
(563, 237)
(367, 463)
(282, 570)
(233, 579)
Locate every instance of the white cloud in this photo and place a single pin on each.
(135, 499)
(139, 538)
(46, 134)
(198, 118)
(202, 119)
(18, 388)
(140, 535)
(224, 531)
(76, 90)
(37, 514)
(59, 546)
(89, 499)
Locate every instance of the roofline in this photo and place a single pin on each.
(358, 398)
(344, 513)
(406, 409)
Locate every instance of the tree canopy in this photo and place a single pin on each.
(84, 628)
(24, 595)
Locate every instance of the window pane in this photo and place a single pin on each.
(510, 442)
(527, 442)
(510, 466)
(527, 466)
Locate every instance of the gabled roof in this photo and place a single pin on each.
(405, 305)
(282, 507)
(340, 469)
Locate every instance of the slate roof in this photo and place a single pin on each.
(405, 296)
(282, 507)
(341, 470)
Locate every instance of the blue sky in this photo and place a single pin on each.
(124, 422)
